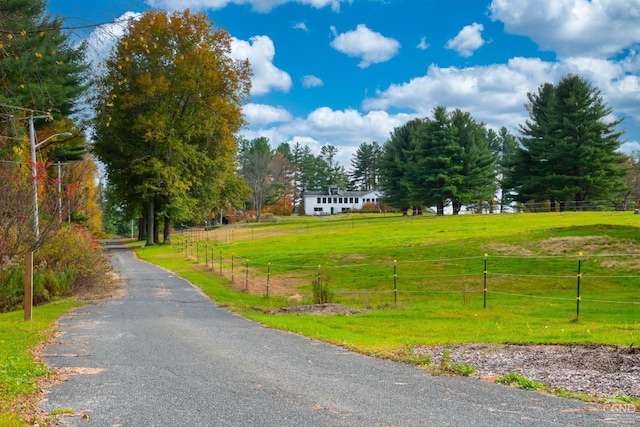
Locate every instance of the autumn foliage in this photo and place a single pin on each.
(169, 104)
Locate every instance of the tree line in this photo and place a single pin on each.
(567, 152)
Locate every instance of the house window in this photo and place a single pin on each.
(351, 200)
(324, 200)
(317, 209)
(340, 200)
(335, 200)
(357, 200)
(318, 200)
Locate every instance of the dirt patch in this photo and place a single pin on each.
(317, 309)
(595, 370)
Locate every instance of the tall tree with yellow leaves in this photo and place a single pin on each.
(168, 106)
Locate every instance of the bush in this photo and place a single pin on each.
(322, 294)
(75, 257)
(11, 286)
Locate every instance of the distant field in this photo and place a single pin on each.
(421, 280)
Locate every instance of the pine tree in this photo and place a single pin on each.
(397, 153)
(436, 175)
(569, 149)
(508, 145)
(478, 162)
(365, 165)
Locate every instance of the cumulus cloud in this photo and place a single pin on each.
(102, 40)
(311, 81)
(573, 27)
(260, 52)
(371, 47)
(423, 45)
(261, 114)
(345, 129)
(261, 6)
(468, 40)
(497, 93)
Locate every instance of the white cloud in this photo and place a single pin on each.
(345, 129)
(102, 40)
(573, 27)
(423, 45)
(468, 40)
(311, 81)
(261, 6)
(300, 26)
(371, 47)
(260, 52)
(261, 114)
(496, 94)
(630, 147)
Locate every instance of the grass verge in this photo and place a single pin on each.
(19, 370)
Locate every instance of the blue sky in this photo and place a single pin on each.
(343, 72)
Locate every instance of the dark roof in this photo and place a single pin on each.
(340, 193)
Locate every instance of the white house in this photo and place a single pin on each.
(334, 200)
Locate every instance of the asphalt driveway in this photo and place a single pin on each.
(165, 355)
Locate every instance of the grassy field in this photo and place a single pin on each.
(532, 276)
(19, 371)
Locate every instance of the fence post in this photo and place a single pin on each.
(268, 277)
(395, 281)
(197, 252)
(318, 276)
(485, 280)
(232, 268)
(246, 277)
(220, 262)
(579, 276)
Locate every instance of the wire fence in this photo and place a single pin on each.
(490, 280)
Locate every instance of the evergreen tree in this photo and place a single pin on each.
(397, 153)
(365, 165)
(478, 162)
(331, 172)
(508, 145)
(41, 69)
(436, 176)
(569, 149)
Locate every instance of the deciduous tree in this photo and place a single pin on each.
(168, 107)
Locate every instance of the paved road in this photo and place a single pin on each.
(165, 355)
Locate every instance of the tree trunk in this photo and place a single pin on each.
(166, 236)
(142, 228)
(150, 221)
(456, 207)
(440, 208)
(156, 228)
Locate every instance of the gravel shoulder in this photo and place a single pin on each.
(596, 370)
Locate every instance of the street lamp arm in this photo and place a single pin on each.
(36, 146)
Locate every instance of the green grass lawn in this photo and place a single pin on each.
(532, 276)
(19, 371)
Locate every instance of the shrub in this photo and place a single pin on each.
(11, 286)
(322, 294)
(75, 257)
